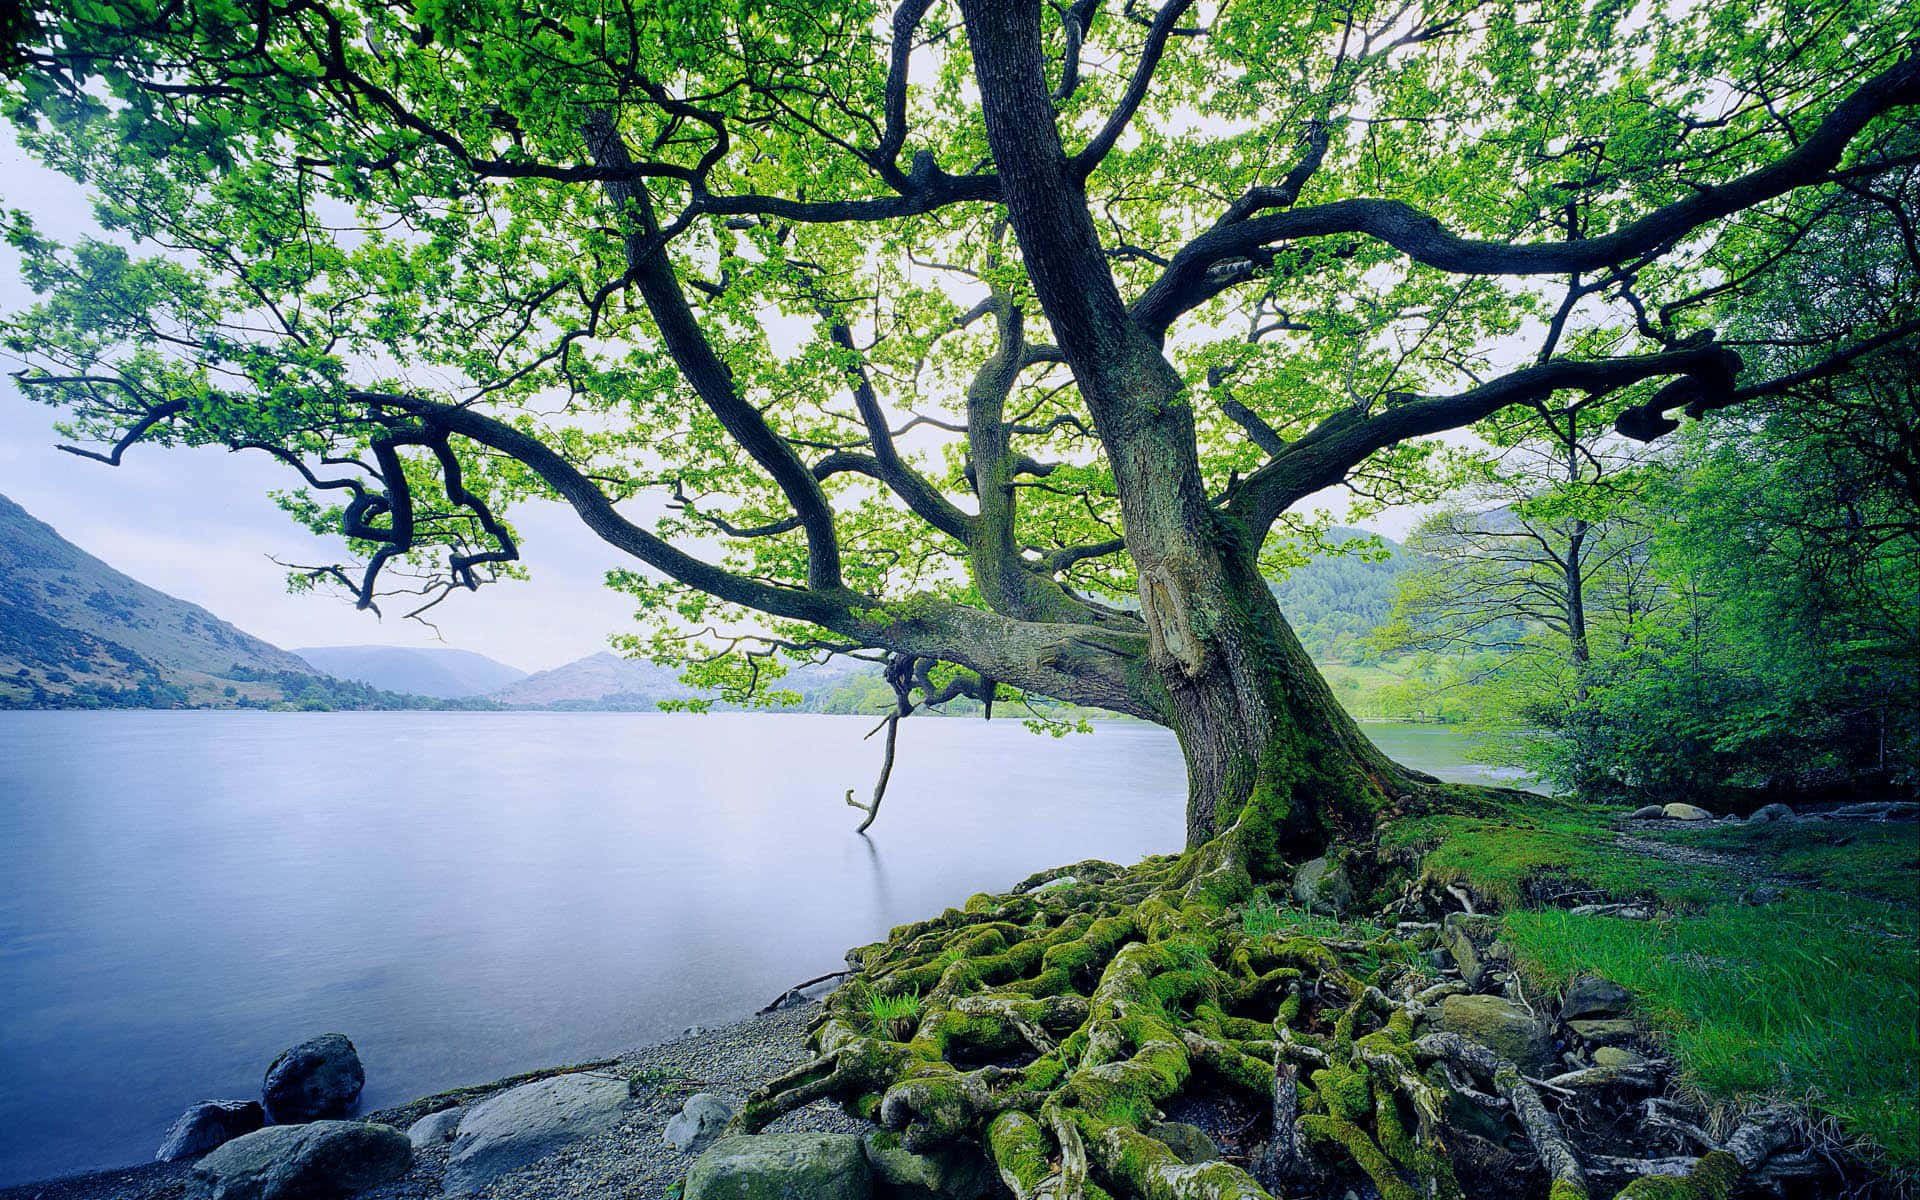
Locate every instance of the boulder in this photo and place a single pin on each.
(958, 1172)
(1189, 1143)
(1614, 1056)
(507, 1131)
(698, 1123)
(1685, 812)
(1592, 996)
(1472, 940)
(1501, 1026)
(1648, 812)
(319, 1161)
(317, 1079)
(435, 1129)
(782, 1166)
(1771, 812)
(208, 1124)
(1322, 886)
(1605, 1030)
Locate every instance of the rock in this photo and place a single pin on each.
(1614, 1056)
(1065, 881)
(698, 1123)
(1649, 812)
(509, 1130)
(1771, 812)
(1592, 996)
(208, 1124)
(1685, 812)
(1322, 886)
(1605, 1030)
(1882, 810)
(1502, 1026)
(959, 1172)
(318, 1161)
(435, 1129)
(782, 1166)
(317, 1079)
(1189, 1142)
(1473, 942)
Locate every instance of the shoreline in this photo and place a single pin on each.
(628, 1162)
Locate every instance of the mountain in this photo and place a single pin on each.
(75, 633)
(607, 681)
(595, 678)
(72, 626)
(448, 674)
(1334, 601)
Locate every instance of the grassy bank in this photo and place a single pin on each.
(1783, 960)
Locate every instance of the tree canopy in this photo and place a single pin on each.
(755, 261)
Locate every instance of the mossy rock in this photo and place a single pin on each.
(1322, 886)
(1473, 943)
(957, 1172)
(1501, 1026)
(782, 1166)
(1590, 996)
(1189, 1143)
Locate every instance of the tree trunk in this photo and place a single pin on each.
(1271, 755)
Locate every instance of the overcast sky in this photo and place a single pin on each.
(198, 523)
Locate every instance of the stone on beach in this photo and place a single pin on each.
(318, 1161)
(699, 1121)
(435, 1129)
(208, 1124)
(319, 1078)
(505, 1132)
(782, 1166)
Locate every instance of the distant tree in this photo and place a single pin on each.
(937, 329)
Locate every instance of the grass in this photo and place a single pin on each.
(1505, 855)
(894, 1016)
(1812, 997)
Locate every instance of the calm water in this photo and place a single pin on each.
(468, 895)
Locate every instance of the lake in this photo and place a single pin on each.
(469, 895)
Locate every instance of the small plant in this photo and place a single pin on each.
(1262, 917)
(894, 1016)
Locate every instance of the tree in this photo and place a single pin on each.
(439, 260)
(943, 329)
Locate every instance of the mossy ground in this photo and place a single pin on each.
(1053, 1024)
(1788, 968)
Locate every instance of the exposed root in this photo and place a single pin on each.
(1059, 1021)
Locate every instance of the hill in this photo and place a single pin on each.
(75, 633)
(606, 681)
(1334, 601)
(422, 671)
(74, 630)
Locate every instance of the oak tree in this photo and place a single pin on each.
(993, 337)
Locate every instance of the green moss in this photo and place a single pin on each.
(1500, 855)
(1712, 1178)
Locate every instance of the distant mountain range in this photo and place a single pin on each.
(446, 673)
(74, 632)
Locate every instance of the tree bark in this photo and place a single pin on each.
(1271, 756)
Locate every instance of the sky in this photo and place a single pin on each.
(198, 523)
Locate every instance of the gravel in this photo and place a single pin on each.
(627, 1162)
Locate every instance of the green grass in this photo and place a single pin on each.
(894, 1016)
(1874, 860)
(1500, 855)
(1814, 997)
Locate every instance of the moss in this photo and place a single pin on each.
(1712, 1178)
